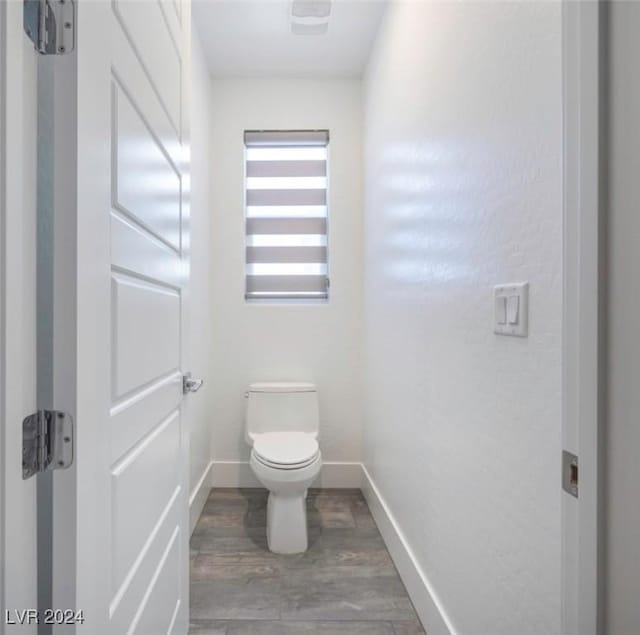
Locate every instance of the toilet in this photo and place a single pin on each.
(281, 426)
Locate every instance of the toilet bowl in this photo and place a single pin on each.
(282, 429)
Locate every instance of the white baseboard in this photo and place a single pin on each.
(239, 474)
(428, 606)
(198, 496)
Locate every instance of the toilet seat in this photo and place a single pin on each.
(285, 450)
(280, 466)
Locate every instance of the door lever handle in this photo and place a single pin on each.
(190, 385)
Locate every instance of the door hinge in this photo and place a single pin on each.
(47, 442)
(570, 473)
(50, 25)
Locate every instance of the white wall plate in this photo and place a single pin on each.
(511, 309)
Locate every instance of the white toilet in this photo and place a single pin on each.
(282, 427)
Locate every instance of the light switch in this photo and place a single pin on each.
(511, 309)
(513, 305)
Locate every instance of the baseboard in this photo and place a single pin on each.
(239, 474)
(198, 496)
(429, 608)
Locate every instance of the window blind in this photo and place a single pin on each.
(286, 214)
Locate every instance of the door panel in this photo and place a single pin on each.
(172, 17)
(133, 249)
(158, 612)
(141, 166)
(129, 491)
(131, 74)
(145, 332)
(127, 604)
(158, 55)
(134, 418)
(137, 508)
(178, 9)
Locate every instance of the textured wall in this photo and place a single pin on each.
(317, 342)
(463, 192)
(201, 294)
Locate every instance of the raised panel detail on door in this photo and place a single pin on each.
(160, 606)
(125, 606)
(178, 9)
(135, 417)
(137, 83)
(136, 507)
(171, 17)
(134, 250)
(145, 331)
(147, 186)
(157, 54)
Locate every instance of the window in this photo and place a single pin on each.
(286, 215)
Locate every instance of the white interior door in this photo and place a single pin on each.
(18, 93)
(121, 514)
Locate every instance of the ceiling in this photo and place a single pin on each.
(252, 38)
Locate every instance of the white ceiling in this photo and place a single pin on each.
(252, 38)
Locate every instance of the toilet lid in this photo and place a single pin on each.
(285, 448)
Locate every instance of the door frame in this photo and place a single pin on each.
(3, 211)
(582, 49)
(18, 97)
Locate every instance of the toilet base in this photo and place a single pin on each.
(287, 504)
(287, 523)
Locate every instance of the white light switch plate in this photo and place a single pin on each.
(511, 309)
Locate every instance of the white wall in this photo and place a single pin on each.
(463, 192)
(200, 405)
(316, 342)
(622, 579)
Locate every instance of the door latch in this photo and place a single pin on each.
(47, 442)
(190, 385)
(570, 473)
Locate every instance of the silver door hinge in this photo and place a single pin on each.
(570, 473)
(47, 442)
(50, 25)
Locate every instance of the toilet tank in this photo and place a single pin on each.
(281, 407)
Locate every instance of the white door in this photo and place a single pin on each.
(121, 521)
(18, 81)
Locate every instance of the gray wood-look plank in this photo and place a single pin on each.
(240, 627)
(345, 583)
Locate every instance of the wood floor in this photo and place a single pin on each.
(344, 584)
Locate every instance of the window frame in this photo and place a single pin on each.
(285, 299)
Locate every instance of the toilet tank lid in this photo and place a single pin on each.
(282, 386)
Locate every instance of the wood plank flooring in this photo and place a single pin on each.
(344, 584)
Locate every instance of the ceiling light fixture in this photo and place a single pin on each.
(310, 17)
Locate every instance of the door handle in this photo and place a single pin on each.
(190, 385)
